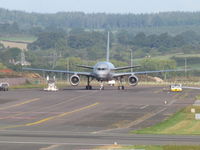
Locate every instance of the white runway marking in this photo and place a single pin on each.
(170, 103)
(135, 122)
(143, 107)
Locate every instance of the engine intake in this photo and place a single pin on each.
(74, 80)
(133, 80)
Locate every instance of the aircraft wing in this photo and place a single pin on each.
(126, 67)
(59, 71)
(145, 72)
(84, 66)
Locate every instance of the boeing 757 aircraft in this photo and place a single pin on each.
(102, 71)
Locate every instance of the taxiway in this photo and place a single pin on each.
(74, 118)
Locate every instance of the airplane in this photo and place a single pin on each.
(102, 72)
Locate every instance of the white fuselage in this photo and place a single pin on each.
(103, 71)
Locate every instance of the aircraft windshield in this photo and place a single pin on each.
(101, 68)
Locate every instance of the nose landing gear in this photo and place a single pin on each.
(102, 86)
(120, 87)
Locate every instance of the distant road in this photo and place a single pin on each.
(88, 139)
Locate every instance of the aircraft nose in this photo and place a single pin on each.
(102, 75)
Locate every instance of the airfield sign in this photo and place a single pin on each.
(197, 116)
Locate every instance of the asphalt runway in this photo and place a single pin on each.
(74, 118)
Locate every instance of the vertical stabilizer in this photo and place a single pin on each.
(108, 48)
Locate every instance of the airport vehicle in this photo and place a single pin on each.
(51, 84)
(4, 86)
(102, 72)
(111, 82)
(176, 88)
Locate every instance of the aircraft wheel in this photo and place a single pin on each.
(101, 88)
(88, 87)
(121, 88)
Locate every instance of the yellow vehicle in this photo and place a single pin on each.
(176, 88)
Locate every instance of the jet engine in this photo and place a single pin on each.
(133, 80)
(74, 80)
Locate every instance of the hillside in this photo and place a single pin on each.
(32, 23)
(67, 38)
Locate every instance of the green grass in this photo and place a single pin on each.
(149, 147)
(31, 86)
(167, 147)
(144, 147)
(181, 123)
(2, 66)
(64, 83)
(192, 66)
(27, 86)
(21, 38)
(197, 97)
(168, 56)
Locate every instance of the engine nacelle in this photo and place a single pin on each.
(133, 80)
(74, 80)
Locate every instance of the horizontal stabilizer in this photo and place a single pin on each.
(126, 67)
(84, 66)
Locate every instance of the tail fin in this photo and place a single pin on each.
(108, 48)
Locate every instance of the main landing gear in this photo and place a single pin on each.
(88, 87)
(102, 86)
(120, 87)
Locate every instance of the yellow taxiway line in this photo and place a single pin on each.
(19, 104)
(50, 118)
(50, 147)
(60, 115)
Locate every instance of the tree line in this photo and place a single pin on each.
(81, 38)
(34, 23)
(92, 44)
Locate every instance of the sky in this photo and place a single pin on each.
(107, 6)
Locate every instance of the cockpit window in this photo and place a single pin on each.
(101, 68)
